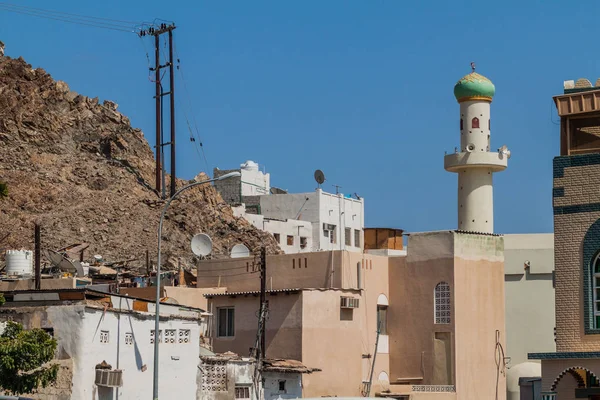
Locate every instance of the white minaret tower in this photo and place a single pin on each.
(474, 162)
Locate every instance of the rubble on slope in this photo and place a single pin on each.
(80, 169)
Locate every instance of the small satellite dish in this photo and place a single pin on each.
(319, 176)
(240, 251)
(201, 244)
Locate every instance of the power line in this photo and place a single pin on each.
(187, 94)
(102, 25)
(68, 14)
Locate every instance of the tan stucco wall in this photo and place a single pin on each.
(411, 314)
(283, 328)
(323, 269)
(479, 312)
(192, 297)
(45, 284)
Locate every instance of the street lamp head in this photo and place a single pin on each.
(229, 175)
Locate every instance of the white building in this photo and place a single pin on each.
(337, 221)
(251, 182)
(92, 328)
(229, 376)
(293, 236)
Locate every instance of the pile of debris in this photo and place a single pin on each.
(79, 168)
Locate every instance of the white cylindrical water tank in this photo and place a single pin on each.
(19, 262)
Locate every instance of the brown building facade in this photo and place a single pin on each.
(573, 371)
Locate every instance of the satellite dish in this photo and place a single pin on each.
(239, 251)
(201, 244)
(319, 176)
(62, 263)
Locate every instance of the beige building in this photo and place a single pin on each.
(529, 294)
(573, 370)
(325, 308)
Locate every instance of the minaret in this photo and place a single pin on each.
(474, 162)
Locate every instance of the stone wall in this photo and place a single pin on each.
(229, 189)
(576, 203)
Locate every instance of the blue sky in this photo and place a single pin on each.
(359, 89)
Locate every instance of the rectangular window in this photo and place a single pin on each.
(382, 319)
(303, 242)
(277, 237)
(225, 322)
(329, 232)
(356, 238)
(103, 336)
(290, 240)
(242, 392)
(281, 386)
(348, 236)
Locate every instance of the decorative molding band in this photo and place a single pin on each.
(434, 388)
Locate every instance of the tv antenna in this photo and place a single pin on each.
(319, 177)
(201, 245)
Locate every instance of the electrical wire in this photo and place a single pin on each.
(500, 362)
(224, 269)
(189, 99)
(95, 24)
(68, 14)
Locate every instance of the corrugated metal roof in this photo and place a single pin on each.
(207, 295)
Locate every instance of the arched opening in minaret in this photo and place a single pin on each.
(475, 123)
(461, 124)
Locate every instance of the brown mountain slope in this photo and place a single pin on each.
(82, 171)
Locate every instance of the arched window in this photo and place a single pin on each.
(461, 124)
(442, 303)
(596, 291)
(382, 306)
(475, 123)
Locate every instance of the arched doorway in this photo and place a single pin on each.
(576, 379)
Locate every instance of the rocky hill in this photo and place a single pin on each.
(80, 169)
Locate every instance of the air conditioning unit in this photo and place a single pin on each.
(349, 302)
(109, 378)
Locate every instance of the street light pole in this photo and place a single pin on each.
(160, 225)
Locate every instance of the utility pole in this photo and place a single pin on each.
(159, 94)
(263, 302)
(337, 193)
(37, 245)
(172, 99)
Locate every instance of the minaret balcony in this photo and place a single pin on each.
(476, 159)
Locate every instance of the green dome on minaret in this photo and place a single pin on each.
(474, 87)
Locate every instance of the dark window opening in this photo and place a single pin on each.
(382, 319)
(303, 242)
(475, 123)
(225, 322)
(277, 237)
(282, 386)
(461, 124)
